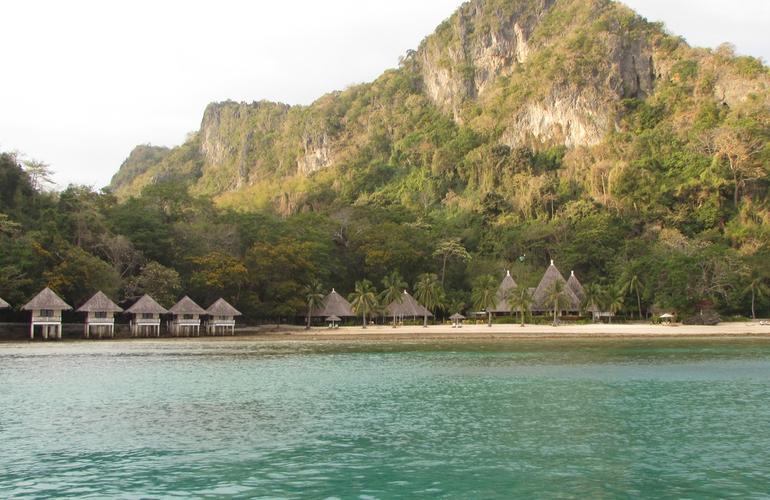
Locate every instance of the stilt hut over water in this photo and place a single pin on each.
(221, 318)
(100, 315)
(334, 304)
(540, 296)
(187, 318)
(507, 286)
(46, 310)
(408, 307)
(146, 317)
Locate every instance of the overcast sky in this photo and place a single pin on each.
(85, 81)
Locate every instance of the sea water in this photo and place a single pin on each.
(578, 418)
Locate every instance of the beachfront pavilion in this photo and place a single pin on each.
(146, 317)
(221, 318)
(100, 315)
(334, 304)
(407, 307)
(46, 310)
(540, 302)
(503, 296)
(186, 319)
(577, 288)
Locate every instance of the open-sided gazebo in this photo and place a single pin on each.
(100, 315)
(221, 318)
(407, 307)
(46, 309)
(334, 304)
(146, 317)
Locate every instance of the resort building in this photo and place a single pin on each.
(540, 298)
(46, 310)
(100, 315)
(146, 317)
(221, 318)
(408, 307)
(577, 288)
(503, 296)
(334, 304)
(187, 318)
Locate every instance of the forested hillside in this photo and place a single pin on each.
(520, 131)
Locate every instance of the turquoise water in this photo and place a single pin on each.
(598, 418)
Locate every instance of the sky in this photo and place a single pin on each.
(83, 82)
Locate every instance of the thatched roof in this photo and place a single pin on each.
(457, 317)
(408, 307)
(334, 304)
(146, 305)
(47, 299)
(186, 306)
(503, 294)
(222, 308)
(540, 296)
(100, 303)
(576, 287)
(4, 304)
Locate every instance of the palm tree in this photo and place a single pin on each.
(484, 295)
(314, 295)
(594, 297)
(556, 297)
(634, 286)
(364, 298)
(393, 292)
(614, 296)
(758, 289)
(429, 292)
(522, 300)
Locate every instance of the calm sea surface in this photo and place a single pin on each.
(583, 418)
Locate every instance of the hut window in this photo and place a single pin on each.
(187, 316)
(146, 315)
(46, 313)
(100, 314)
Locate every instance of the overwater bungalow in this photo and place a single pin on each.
(540, 296)
(221, 318)
(100, 315)
(334, 304)
(407, 307)
(146, 317)
(46, 310)
(186, 319)
(507, 286)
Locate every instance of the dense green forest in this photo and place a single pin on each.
(654, 181)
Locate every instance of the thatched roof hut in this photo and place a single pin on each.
(408, 307)
(100, 303)
(334, 304)
(540, 296)
(46, 300)
(187, 306)
(146, 305)
(503, 294)
(222, 308)
(576, 287)
(4, 304)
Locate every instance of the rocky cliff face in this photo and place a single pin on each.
(533, 73)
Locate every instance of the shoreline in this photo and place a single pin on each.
(445, 333)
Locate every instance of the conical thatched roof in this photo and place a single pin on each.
(222, 308)
(146, 305)
(334, 304)
(186, 306)
(576, 287)
(457, 317)
(100, 303)
(408, 307)
(47, 299)
(503, 294)
(540, 295)
(4, 304)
